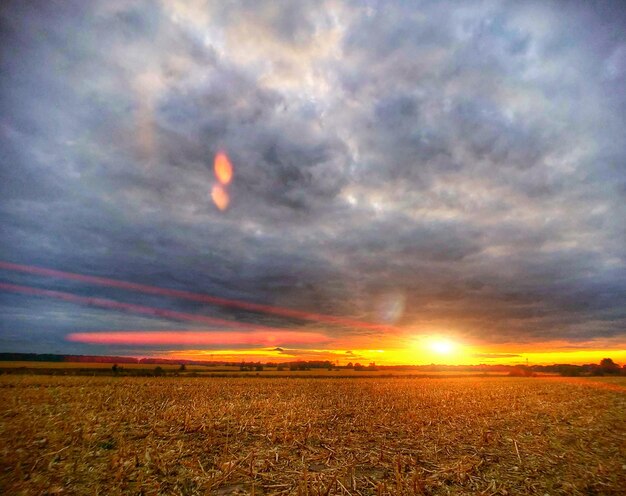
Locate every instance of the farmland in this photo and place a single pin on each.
(105, 369)
(306, 436)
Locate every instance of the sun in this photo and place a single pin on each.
(442, 346)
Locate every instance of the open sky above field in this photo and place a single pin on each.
(404, 182)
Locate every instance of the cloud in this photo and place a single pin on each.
(466, 160)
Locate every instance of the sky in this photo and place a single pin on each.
(412, 181)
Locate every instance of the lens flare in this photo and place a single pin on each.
(223, 168)
(220, 197)
(390, 307)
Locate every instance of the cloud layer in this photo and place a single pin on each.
(438, 166)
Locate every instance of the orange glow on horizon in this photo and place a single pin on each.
(402, 356)
(424, 349)
(223, 168)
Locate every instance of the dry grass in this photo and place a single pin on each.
(105, 435)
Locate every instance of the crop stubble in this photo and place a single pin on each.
(107, 435)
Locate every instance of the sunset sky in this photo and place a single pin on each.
(389, 181)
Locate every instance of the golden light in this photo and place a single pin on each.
(223, 168)
(430, 348)
(220, 197)
(442, 346)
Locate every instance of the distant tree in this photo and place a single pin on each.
(567, 370)
(350, 365)
(608, 366)
(115, 368)
(182, 367)
(299, 365)
(595, 369)
(258, 367)
(280, 367)
(358, 366)
(158, 371)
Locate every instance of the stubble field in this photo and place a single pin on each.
(127, 435)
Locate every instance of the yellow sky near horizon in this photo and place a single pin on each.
(433, 352)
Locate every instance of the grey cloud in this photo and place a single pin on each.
(468, 159)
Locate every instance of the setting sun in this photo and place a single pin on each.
(442, 346)
(430, 348)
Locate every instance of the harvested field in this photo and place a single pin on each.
(88, 368)
(105, 435)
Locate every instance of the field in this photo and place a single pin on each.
(305, 436)
(106, 366)
(90, 368)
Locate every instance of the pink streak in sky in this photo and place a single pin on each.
(129, 307)
(192, 338)
(187, 295)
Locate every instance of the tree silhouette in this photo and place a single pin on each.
(608, 366)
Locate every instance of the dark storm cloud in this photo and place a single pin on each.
(461, 165)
